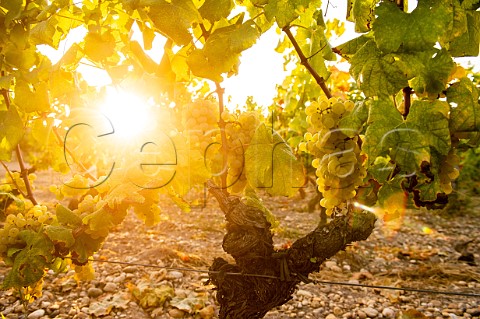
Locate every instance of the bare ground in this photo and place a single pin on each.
(422, 253)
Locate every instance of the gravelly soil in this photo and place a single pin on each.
(420, 254)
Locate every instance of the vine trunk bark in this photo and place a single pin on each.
(277, 272)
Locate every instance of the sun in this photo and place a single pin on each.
(127, 112)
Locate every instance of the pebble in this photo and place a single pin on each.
(474, 311)
(174, 275)
(337, 311)
(36, 314)
(370, 312)
(94, 292)
(304, 293)
(330, 264)
(331, 316)
(176, 313)
(388, 313)
(130, 269)
(361, 314)
(110, 287)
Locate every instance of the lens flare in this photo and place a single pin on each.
(127, 112)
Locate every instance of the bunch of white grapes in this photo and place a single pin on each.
(76, 186)
(239, 131)
(448, 171)
(337, 160)
(200, 120)
(32, 219)
(15, 180)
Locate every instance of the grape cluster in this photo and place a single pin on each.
(200, 120)
(449, 171)
(15, 180)
(337, 160)
(239, 130)
(32, 219)
(77, 186)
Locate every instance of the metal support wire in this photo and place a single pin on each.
(320, 282)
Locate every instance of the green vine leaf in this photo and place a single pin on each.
(397, 31)
(362, 13)
(11, 132)
(427, 70)
(67, 217)
(388, 135)
(29, 263)
(392, 198)
(465, 113)
(431, 118)
(353, 123)
(85, 246)
(316, 47)
(270, 164)
(32, 97)
(222, 51)
(378, 74)
(349, 48)
(60, 234)
(174, 19)
(285, 11)
(467, 44)
(214, 10)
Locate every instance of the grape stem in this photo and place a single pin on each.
(18, 152)
(304, 61)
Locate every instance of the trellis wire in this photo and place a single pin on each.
(324, 282)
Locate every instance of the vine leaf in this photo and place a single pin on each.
(349, 48)
(174, 19)
(467, 44)
(21, 59)
(352, 124)
(395, 30)
(379, 75)
(429, 70)
(431, 118)
(286, 11)
(11, 132)
(465, 113)
(29, 263)
(32, 98)
(316, 47)
(382, 118)
(214, 10)
(362, 13)
(103, 219)
(85, 246)
(67, 217)
(46, 32)
(270, 164)
(389, 135)
(60, 234)
(222, 50)
(98, 46)
(392, 198)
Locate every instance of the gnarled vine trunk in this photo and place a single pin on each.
(249, 241)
